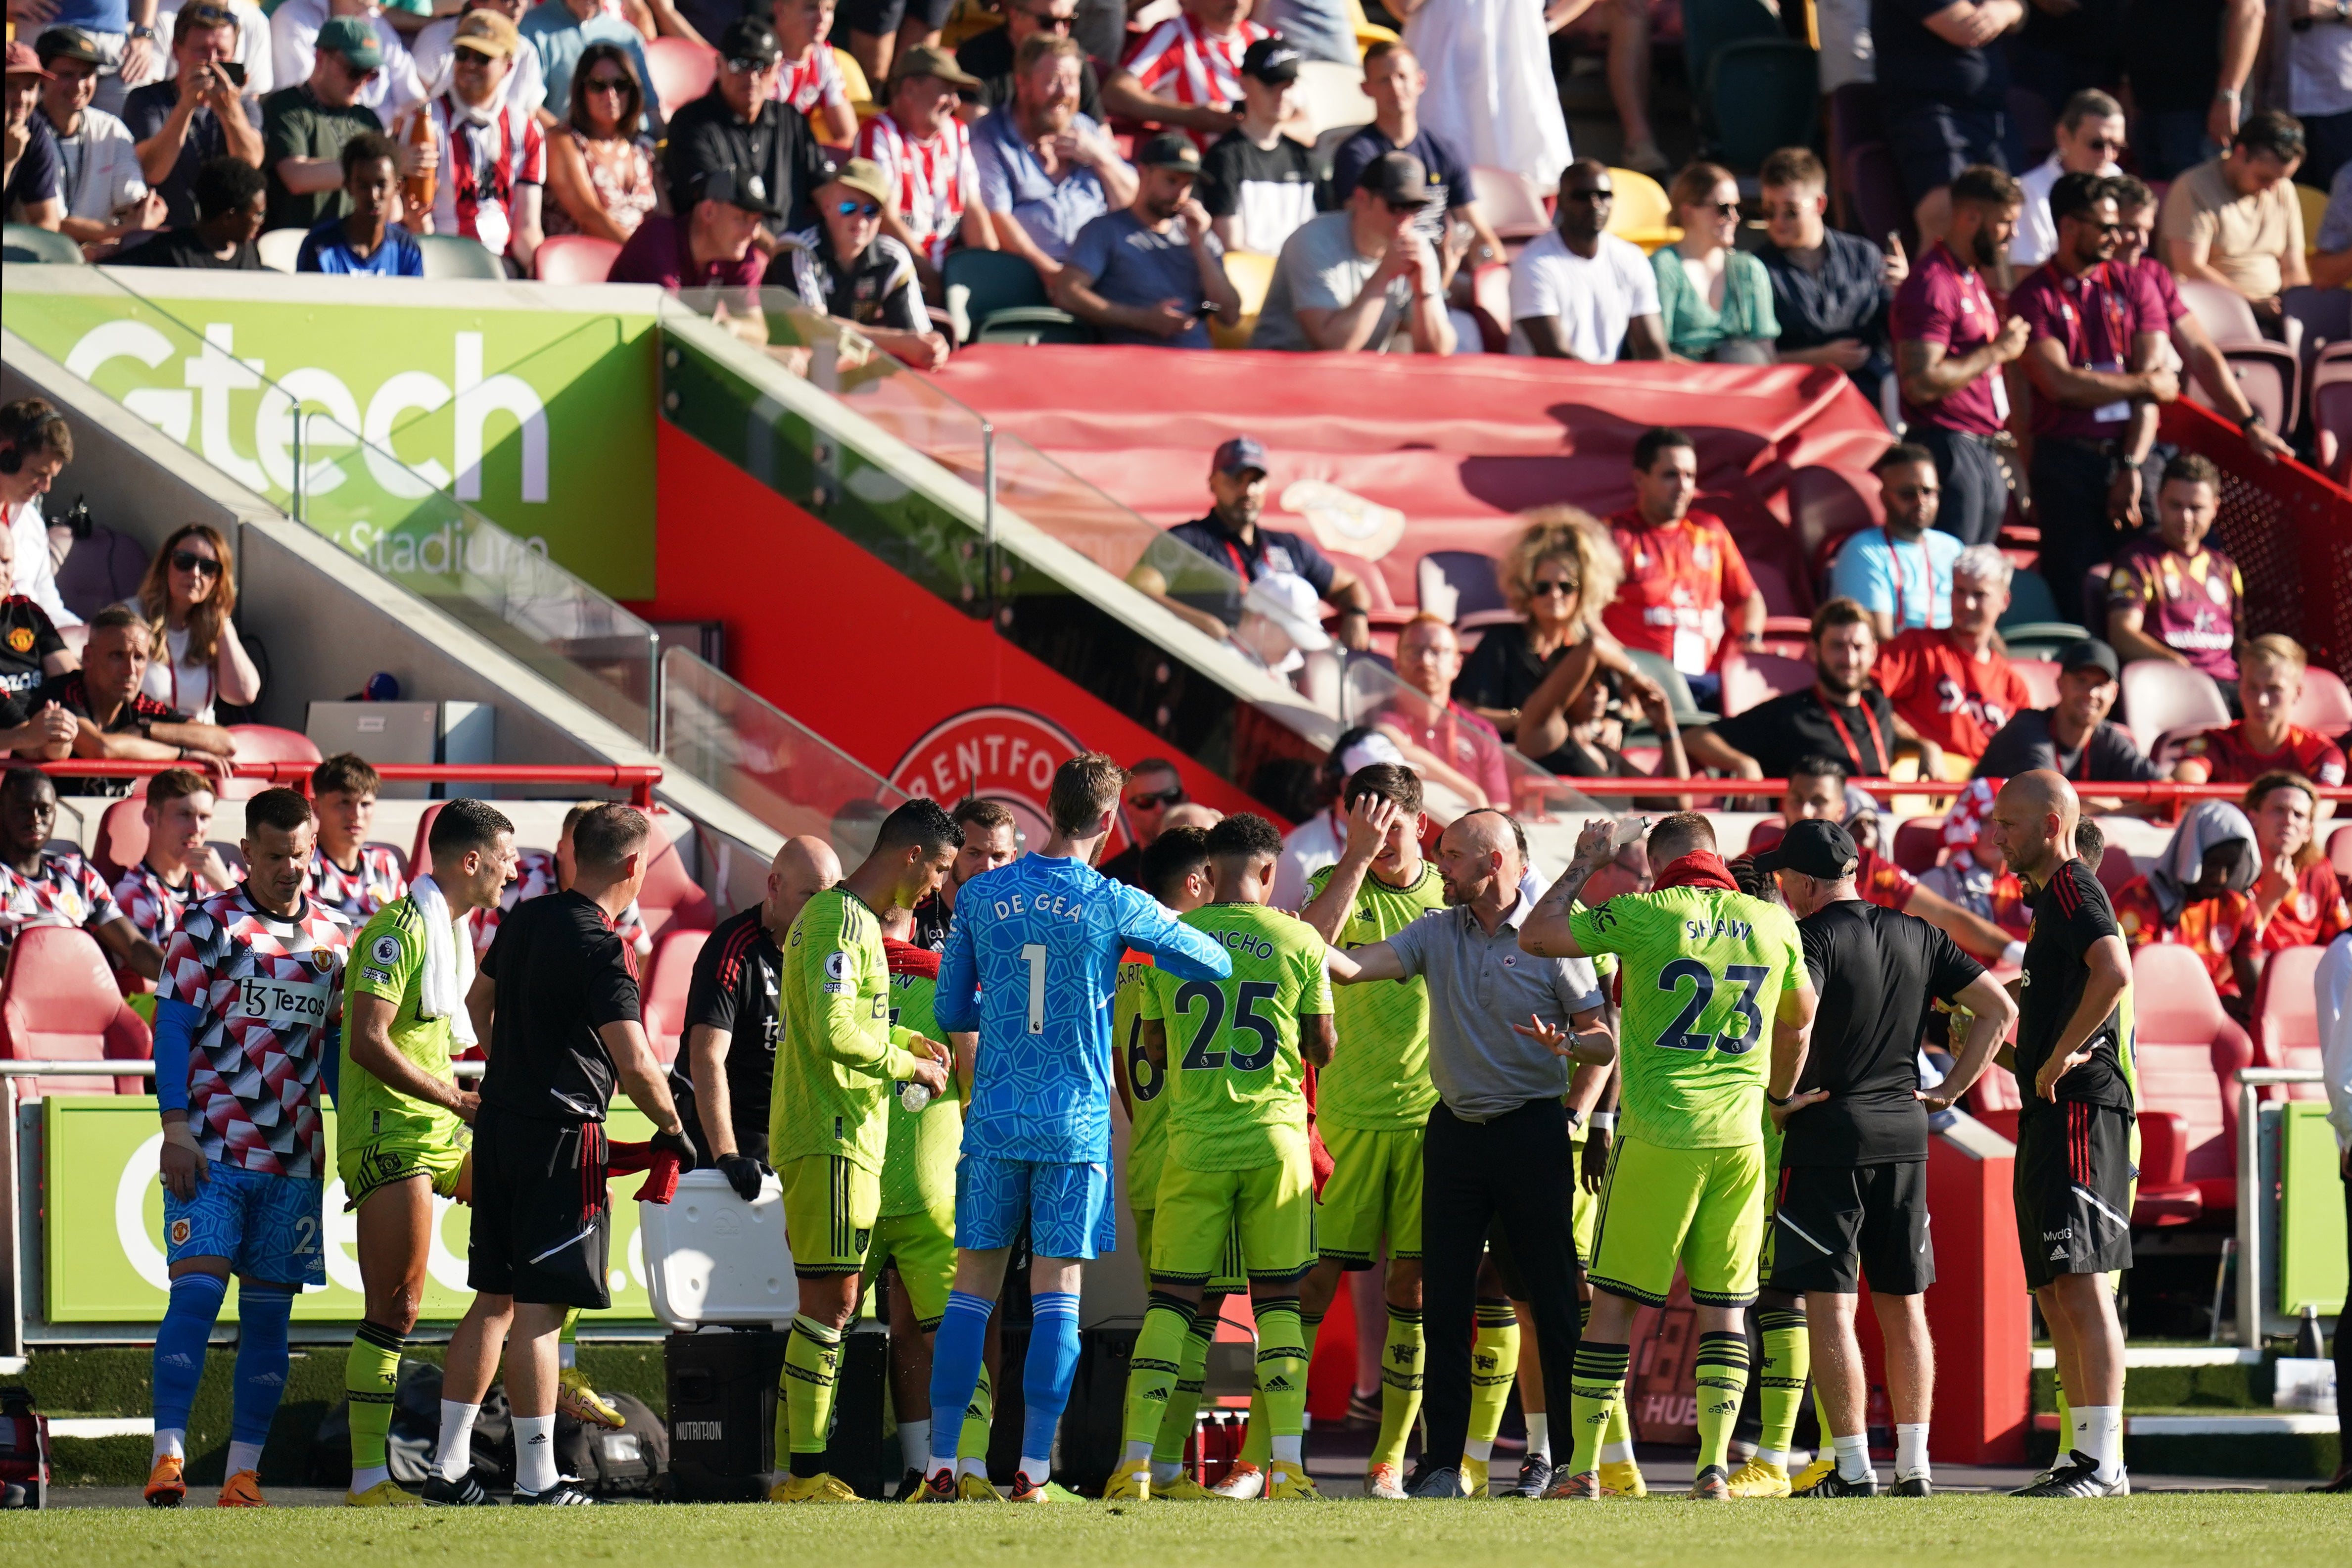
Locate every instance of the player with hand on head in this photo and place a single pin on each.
(246, 1011)
(1031, 965)
(828, 1117)
(401, 1118)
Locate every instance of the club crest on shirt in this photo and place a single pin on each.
(20, 639)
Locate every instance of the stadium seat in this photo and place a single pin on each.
(1641, 214)
(1877, 182)
(1661, 669)
(1708, 27)
(2286, 1020)
(1332, 94)
(573, 258)
(1824, 506)
(2165, 1197)
(26, 242)
(1490, 305)
(1761, 94)
(2339, 850)
(58, 1003)
(2041, 640)
(1512, 204)
(1459, 584)
(669, 898)
(2187, 1051)
(2331, 410)
(1251, 275)
(2325, 704)
(682, 72)
(1607, 883)
(2041, 678)
(2161, 699)
(1919, 844)
(1750, 679)
(2030, 599)
(267, 743)
(981, 284)
(2270, 372)
(122, 837)
(1995, 1100)
(1325, 155)
(1765, 834)
(450, 258)
(418, 855)
(2117, 868)
(280, 248)
(664, 991)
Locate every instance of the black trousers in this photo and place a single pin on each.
(1516, 1173)
(1976, 491)
(2070, 508)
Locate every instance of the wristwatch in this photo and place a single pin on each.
(143, 30)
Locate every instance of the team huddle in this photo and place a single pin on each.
(1537, 1112)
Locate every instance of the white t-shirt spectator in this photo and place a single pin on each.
(1180, 62)
(2320, 69)
(473, 194)
(294, 48)
(1592, 299)
(1321, 269)
(935, 179)
(101, 169)
(2036, 239)
(525, 85)
(37, 575)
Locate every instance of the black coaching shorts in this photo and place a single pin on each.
(542, 1223)
(1836, 1226)
(2074, 1192)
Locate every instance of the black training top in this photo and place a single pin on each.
(2070, 914)
(734, 988)
(562, 974)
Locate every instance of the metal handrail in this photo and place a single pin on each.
(636, 778)
(2161, 790)
(2250, 1177)
(140, 1066)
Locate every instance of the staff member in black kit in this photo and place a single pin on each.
(1853, 1160)
(557, 999)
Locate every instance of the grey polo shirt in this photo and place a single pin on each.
(1479, 985)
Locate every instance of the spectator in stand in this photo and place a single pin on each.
(1256, 184)
(1231, 536)
(365, 241)
(1187, 71)
(294, 29)
(1973, 876)
(1840, 715)
(122, 31)
(1943, 91)
(2317, 79)
(33, 189)
(1145, 274)
(2094, 361)
(1953, 685)
(2235, 220)
(1395, 82)
(1496, 101)
(2171, 598)
(1153, 787)
(304, 128)
(736, 126)
(30, 649)
(846, 267)
(559, 33)
(1046, 171)
(714, 246)
(189, 599)
(36, 444)
(2197, 892)
(2189, 61)
(1279, 626)
(492, 153)
(231, 201)
(1950, 344)
(882, 32)
(104, 191)
(991, 55)
(1592, 728)
(114, 718)
(2267, 739)
(1683, 572)
(1580, 292)
(2136, 206)
(2330, 263)
(45, 887)
(1901, 572)
(1715, 301)
(813, 83)
(432, 52)
(2074, 738)
(2090, 134)
(1359, 277)
(925, 154)
(196, 115)
(600, 167)
(1318, 29)
(1831, 290)
(178, 867)
(2295, 899)
(349, 874)
(1428, 719)
(1627, 25)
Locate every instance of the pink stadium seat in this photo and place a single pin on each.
(1919, 844)
(1750, 679)
(267, 743)
(2325, 704)
(666, 987)
(2160, 699)
(122, 837)
(2115, 869)
(418, 856)
(2041, 678)
(1607, 883)
(1490, 303)
(58, 1003)
(681, 72)
(573, 258)
(670, 898)
(2339, 850)
(2331, 411)
(2188, 1051)
(1824, 506)
(1511, 203)
(2286, 1020)
(1765, 834)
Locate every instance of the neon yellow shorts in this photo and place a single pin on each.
(1703, 1208)
(1268, 1209)
(830, 1205)
(1374, 1190)
(1228, 1280)
(368, 1167)
(922, 1244)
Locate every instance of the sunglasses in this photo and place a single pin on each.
(1165, 798)
(2102, 144)
(1720, 209)
(198, 565)
(1913, 493)
(1564, 587)
(1602, 196)
(1044, 23)
(1403, 209)
(858, 209)
(612, 84)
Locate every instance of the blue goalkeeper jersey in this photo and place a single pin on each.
(1033, 965)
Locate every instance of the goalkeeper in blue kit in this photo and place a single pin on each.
(1031, 965)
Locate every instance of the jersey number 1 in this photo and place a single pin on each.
(1032, 953)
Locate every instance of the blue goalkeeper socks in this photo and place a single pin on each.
(955, 1351)
(180, 1354)
(261, 1363)
(1045, 1379)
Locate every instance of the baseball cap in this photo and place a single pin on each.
(352, 39)
(22, 61)
(1374, 748)
(1271, 61)
(67, 44)
(1288, 601)
(864, 177)
(1395, 177)
(748, 44)
(487, 33)
(736, 188)
(1239, 456)
(924, 59)
(2084, 652)
(1169, 150)
(1815, 846)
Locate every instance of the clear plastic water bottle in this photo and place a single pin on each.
(914, 1096)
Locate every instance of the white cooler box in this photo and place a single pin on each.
(712, 1259)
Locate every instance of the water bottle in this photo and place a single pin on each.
(914, 1096)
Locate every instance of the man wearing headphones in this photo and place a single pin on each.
(35, 444)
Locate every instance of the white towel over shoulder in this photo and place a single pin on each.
(448, 961)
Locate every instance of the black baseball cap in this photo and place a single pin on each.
(1396, 178)
(1241, 455)
(69, 44)
(1271, 61)
(1815, 846)
(1169, 150)
(748, 44)
(2084, 652)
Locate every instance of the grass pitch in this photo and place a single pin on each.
(2181, 1530)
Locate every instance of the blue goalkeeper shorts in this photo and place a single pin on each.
(1068, 1206)
(267, 1227)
